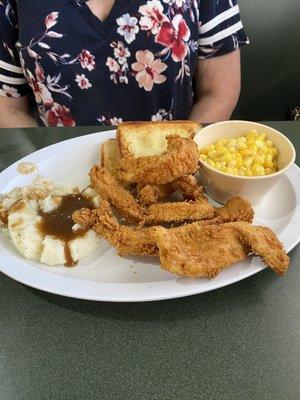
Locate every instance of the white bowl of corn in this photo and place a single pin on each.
(242, 158)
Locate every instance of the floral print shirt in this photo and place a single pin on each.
(138, 64)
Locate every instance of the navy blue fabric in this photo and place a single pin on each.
(138, 64)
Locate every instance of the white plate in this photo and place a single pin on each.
(104, 276)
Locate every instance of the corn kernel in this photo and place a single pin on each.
(212, 154)
(269, 143)
(245, 152)
(248, 172)
(269, 164)
(232, 149)
(241, 172)
(203, 157)
(274, 151)
(231, 142)
(258, 170)
(229, 170)
(226, 157)
(259, 160)
(259, 143)
(239, 163)
(218, 165)
(241, 145)
(262, 136)
(211, 163)
(220, 149)
(248, 162)
(232, 163)
(263, 151)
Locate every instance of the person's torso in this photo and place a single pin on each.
(137, 64)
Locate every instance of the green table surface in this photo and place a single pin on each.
(238, 342)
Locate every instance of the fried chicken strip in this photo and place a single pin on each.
(194, 250)
(149, 194)
(181, 159)
(179, 211)
(236, 209)
(189, 187)
(108, 188)
(202, 251)
(127, 240)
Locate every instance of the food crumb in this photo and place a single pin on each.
(26, 168)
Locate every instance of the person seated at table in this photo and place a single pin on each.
(79, 62)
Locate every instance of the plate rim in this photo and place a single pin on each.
(151, 295)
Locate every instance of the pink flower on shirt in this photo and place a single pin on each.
(51, 19)
(152, 16)
(87, 60)
(112, 64)
(148, 70)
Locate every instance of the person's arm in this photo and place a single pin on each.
(15, 113)
(217, 87)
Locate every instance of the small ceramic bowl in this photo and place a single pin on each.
(222, 186)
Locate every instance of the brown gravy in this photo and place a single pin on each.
(58, 223)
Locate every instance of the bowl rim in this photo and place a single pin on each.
(259, 177)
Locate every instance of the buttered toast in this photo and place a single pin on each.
(109, 157)
(143, 139)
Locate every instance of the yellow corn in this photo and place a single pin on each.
(249, 155)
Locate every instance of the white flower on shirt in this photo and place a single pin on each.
(83, 82)
(9, 91)
(128, 27)
(115, 121)
(104, 120)
(121, 52)
(178, 3)
(112, 64)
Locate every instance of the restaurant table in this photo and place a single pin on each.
(238, 342)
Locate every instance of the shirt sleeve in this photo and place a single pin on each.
(220, 28)
(12, 81)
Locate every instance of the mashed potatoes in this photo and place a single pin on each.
(21, 213)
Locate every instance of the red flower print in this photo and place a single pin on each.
(148, 70)
(51, 20)
(59, 116)
(40, 91)
(174, 36)
(87, 60)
